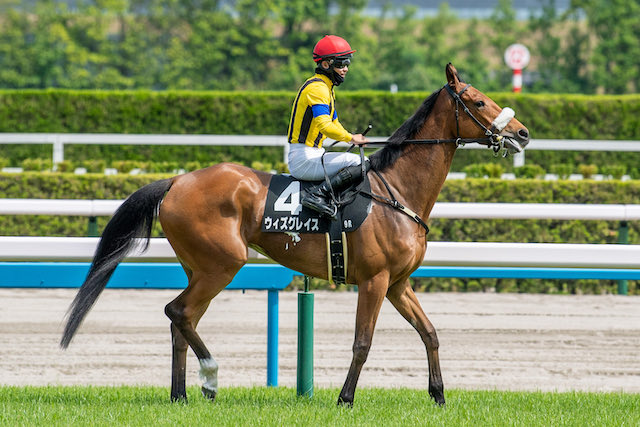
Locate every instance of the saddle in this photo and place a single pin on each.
(283, 213)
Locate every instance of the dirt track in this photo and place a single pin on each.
(487, 341)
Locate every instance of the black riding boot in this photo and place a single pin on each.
(319, 198)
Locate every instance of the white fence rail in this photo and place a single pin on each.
(438, 253)
(59, 140)
(609, 212)
(58, 207)
(566, 211)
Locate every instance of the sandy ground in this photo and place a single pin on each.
(487, 341)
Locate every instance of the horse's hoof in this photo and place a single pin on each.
(347, 403)
(209, 394)
(179, 399)
(438, 397)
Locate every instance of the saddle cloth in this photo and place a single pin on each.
(284, 213)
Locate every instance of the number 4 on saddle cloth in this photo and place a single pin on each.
(283, 213)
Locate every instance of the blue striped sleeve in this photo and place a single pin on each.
(335, 115)
(320, 110)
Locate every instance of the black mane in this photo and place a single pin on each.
(385, 157)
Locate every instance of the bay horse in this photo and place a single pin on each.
(212, 216)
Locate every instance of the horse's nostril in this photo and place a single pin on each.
(523, 133)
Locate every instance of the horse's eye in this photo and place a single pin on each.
(480, 104)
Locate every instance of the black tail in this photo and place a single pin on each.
(134, 218)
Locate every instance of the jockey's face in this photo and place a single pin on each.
(342, 71)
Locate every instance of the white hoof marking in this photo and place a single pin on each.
(209, 374)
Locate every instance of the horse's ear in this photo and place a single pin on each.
(452, 75)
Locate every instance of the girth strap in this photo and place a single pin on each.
(393, 202)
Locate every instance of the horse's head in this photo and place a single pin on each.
(482, 118)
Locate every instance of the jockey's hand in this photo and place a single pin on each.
(359, 139)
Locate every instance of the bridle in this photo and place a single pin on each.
(492, 140)
(492, 137)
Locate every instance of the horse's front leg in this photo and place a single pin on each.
(370, 297)
(405, 301)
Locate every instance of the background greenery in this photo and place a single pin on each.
(210, 44)
(213, 67)
(98, 186)
(548, 116)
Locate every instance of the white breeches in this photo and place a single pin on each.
(305, 163)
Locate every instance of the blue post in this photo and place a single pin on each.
(272, 338)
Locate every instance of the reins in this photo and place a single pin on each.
(491, 139)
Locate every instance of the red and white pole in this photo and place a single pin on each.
(517, 81)
(517, 57)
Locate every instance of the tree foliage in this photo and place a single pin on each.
(616, 26)
(210, 44)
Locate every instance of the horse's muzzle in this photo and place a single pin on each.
(515, 143)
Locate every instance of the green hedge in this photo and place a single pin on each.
(267, 113)
(97, 186)
(535, 191)
(61, 186)
(128, 166)
(546, 231)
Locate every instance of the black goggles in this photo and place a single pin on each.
(341, 62)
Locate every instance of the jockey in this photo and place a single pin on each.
(314, 118)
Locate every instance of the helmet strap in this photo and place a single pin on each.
(336, 78)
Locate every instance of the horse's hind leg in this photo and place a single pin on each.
(178, 365)
(179, 348)
(405, 301)
(179, 360)
(185, 312)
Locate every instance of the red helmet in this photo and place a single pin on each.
(331, 46)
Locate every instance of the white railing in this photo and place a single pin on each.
(58, 140)
(58, 207)
(608, 212)
(567, 211)
(20, 248)
(438, 253)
